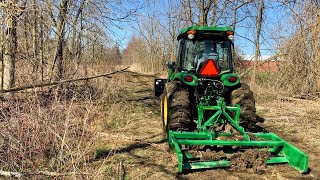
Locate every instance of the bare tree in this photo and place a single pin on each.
(301, 58)
(10, 45)
(187, 9)
(35, 36)
(2, 41)
(236, 6)
(59, 38)
(204, 7)
(74, 26)
(260, 5)
(41, 50)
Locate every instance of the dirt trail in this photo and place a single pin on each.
(135, 142)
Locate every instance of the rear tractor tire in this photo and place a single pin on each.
(176, 114)
(244, 97)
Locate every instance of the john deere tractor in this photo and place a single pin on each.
(204, 105)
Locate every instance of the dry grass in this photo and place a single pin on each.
(54, 129)
(53, 135)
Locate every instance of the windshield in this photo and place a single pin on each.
(194, 53)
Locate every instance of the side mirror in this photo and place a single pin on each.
(170, 64)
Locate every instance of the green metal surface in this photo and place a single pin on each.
(206, 165)
(281, 150)
(224, 163)
(181, 75)
(287, 153)
(205, 28)
(225, 79)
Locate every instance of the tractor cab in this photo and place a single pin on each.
(207, 53)
(204, 60)
(210, 47)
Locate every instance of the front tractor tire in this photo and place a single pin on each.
(175, 104)
(244, 97)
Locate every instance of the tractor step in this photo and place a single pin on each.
(281, 151)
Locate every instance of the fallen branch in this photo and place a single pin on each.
(60, 82)
(45, 173)
(295, 99)
(308, 95)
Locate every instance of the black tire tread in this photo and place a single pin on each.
(244, 97)
(179, 111)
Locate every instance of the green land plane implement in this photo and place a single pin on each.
(204, 106)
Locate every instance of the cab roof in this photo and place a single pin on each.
(205, 28)
(214, 29)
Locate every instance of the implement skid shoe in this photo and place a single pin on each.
(281, 151)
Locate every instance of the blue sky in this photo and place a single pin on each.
(274, 19)
(274, 27)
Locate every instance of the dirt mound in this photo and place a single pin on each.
(209, 155)
(212, 155)
(250, 160)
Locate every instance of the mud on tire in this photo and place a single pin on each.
(244, 97)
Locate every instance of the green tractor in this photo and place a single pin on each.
(206, 108)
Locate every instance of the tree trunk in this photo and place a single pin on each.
(204, 8)
(203, 16)
(41, 52)
(74, 26)
(257, 39)
(1, 57)
(1, 52)
(34, 37)
(234, 19)
(79, 44)
(189, 13)
(214, 13)
(27, 41)
(58, 60)
(9, 58)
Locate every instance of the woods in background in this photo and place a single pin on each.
(53, 40)
(42, 41)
